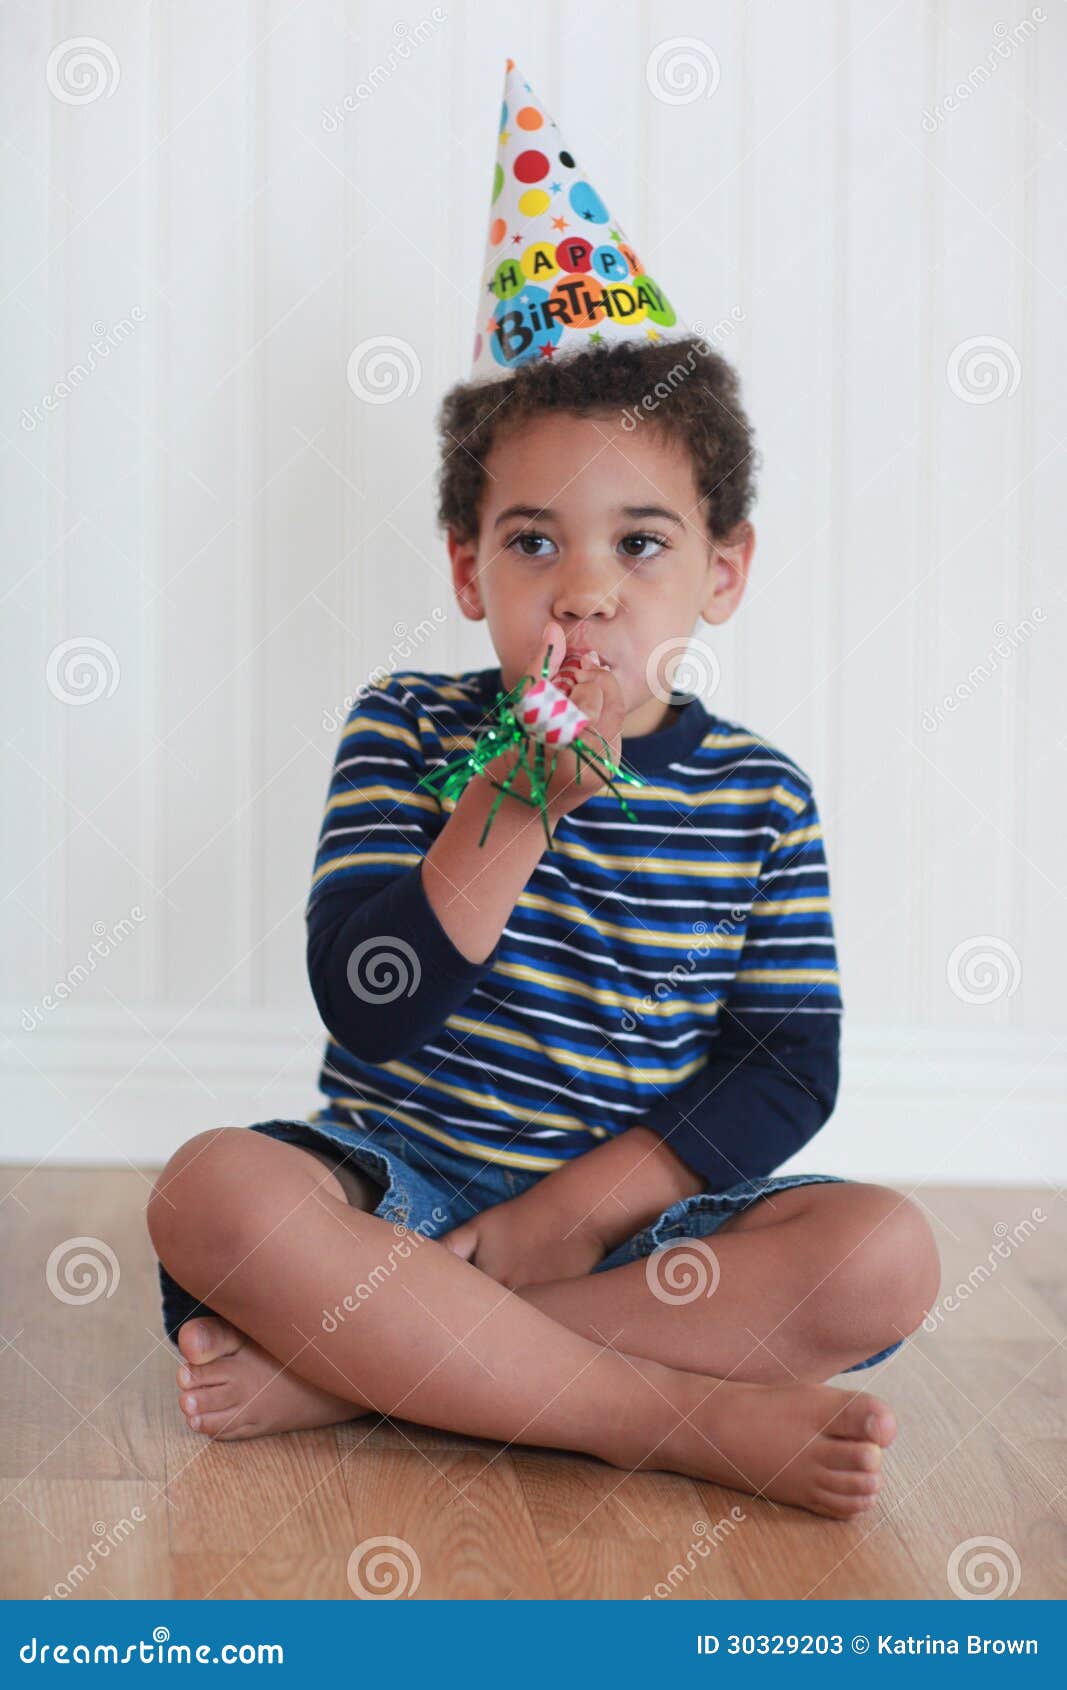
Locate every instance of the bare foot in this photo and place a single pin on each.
(814, 1446)
(232, 1388)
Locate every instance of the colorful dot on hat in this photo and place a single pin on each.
(531, 340)
(534, 201)
(658, 305)
(587, 203)
(609, 262)
(539, 262)
(575, 254)
(508, 279)
(498, 230)
(529, 118)
(530, 166)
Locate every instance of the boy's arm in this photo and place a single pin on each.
(613, 1191)
(385, 972)
(436, 927)
(457, 893)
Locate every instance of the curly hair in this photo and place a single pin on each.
(683, 389)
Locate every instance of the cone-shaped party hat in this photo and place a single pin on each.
(559, 273)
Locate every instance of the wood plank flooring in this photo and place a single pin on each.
(100, 1473)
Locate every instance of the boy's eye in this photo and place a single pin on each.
(658, 540)
(517, 543)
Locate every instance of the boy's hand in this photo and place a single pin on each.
(598, 695)
(527, 1240)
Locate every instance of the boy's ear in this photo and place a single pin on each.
(463, 556)
(729, 560)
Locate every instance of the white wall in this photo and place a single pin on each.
(248, 539)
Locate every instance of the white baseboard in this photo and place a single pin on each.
(101, 1088)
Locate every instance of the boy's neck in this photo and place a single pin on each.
(648, 718)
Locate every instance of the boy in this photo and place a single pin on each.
(554, 1074)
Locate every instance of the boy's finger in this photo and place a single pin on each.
(461, 1241)
(588, 697)
(553, 636)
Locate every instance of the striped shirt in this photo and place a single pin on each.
(675, 970)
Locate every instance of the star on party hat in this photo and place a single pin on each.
(559, 274)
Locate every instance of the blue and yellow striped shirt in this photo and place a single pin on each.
(677, 970)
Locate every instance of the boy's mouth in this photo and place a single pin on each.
(573, 656)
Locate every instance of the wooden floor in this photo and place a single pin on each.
(99, 1470)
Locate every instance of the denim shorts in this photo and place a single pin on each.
(431, 1188)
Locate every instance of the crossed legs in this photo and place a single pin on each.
(272, 1238)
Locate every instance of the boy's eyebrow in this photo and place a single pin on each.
(642, 511)
(638, 512)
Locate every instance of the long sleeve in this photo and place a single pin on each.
(384, 974)
(772, 1073)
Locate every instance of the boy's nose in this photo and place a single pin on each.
(585, 596)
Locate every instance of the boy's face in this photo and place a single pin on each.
(601, 530)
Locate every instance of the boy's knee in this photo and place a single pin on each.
(917, 1250)
(887, 1270)
(197, 1182)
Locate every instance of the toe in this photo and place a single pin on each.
(220, 1423)
(864, 1416)
(204, 1400)
(843, 1507)
(847, 1455)
(205, 1340)
(851, 1483)
(212, 1373)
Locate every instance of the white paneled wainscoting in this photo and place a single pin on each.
(212, 534)
(102, 1087)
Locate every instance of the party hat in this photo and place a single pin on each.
(559, 274)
